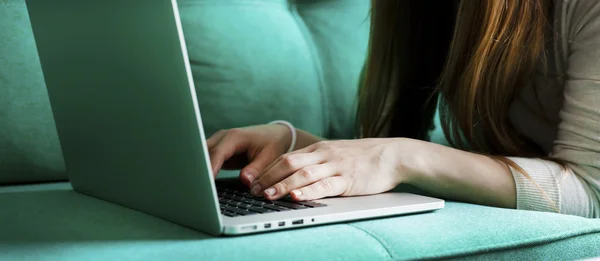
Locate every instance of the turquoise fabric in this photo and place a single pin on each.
(464, 229)
(437, 135)
(58, 224)
(29, 147)
(51, 222)
(275, 59)
(581, 247)
(339, 30)
(253, 61)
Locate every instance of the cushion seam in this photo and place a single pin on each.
(542, 240)
(381, 242)
(308, 38)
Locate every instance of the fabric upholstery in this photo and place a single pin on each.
(59, 224)
(29, 146)
(51, 222)
(339, 30)
(256, 61)
(253, 62)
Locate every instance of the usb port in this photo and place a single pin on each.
(249, 228)
(282, 223)
(298, 222)
(268, 225)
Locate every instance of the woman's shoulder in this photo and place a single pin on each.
(576, 27)
(577, 15)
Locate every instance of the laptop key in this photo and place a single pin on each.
(234, 203)
(258, 203)
(238, 198)
(241, 193)
(312, 204)
(235, 210)
(245, 206)
(229, 214)
(276, 207)
(246, 194)
(230, 208)
(244, 212)
(247, 200)
(287, 199)
(290, 205)
(248, 211)
(257, 198)
(261, 210)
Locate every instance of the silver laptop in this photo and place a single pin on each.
(127, 115)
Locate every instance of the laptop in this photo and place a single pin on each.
(123, 98)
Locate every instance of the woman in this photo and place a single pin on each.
(519, 88)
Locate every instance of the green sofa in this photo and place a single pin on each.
(253, 61)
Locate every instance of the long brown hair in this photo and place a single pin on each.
(477, 55)
(474, 55)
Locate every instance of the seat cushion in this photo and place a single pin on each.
(471, 230)
(51, 222)
(253, 61)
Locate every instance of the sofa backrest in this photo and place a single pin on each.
(253, 61)
(29, 147)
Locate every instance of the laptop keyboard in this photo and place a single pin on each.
(238, 202)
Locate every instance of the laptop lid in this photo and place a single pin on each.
(124, 102)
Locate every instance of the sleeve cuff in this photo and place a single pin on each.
(540, 191)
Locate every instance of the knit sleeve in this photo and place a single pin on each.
(573, 188)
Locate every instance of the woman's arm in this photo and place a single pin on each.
(547, 186)
(458, 175)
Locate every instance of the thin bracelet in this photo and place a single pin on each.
(292, 130)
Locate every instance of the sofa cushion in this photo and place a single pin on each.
(29, 147)
(437, 134)
(256, 61)
(339, 30)
(51, 222)
(251, 64)
(253, 61)
(464, 229)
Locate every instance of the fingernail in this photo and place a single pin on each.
(270, 191)
(256, 189)
(249, 177)
(297, 193)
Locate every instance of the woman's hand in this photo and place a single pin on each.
(357, 167)
(335, 168)
(252, 149)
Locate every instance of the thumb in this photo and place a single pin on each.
(257, 165)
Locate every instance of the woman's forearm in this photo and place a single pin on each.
(458, 175)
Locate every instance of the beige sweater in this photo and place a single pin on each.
(565, 120)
